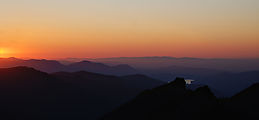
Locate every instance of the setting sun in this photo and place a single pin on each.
(3, 53)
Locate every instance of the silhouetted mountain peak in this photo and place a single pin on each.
(12, 58)
(177, 86)
(89, 66)
(125, 67)
(170, 101)
(85, 61)
(180, 82)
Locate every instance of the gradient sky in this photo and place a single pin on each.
(115, 28)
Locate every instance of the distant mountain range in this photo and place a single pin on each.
(30, 94)
(164, 73)
(171, 72)
(168, 68)
(51, 66)
(224, 64)
(174, 102)
(122, 69)
(167, 73)
(223, 83)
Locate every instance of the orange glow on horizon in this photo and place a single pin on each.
(98, 29)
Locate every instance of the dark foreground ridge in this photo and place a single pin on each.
(174, 102)
(28, 94)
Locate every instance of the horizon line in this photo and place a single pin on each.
(95, 58)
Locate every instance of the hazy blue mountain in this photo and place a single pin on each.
(171, 72)
(101, 68)
(139, 80)
(43, 65)
(168, 68)
(51, 66)
(231, 83)
(232, 65)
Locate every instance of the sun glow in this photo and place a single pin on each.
(3, 53)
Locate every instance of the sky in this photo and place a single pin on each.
(129, 28)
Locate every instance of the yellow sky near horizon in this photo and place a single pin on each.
(116, 28)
